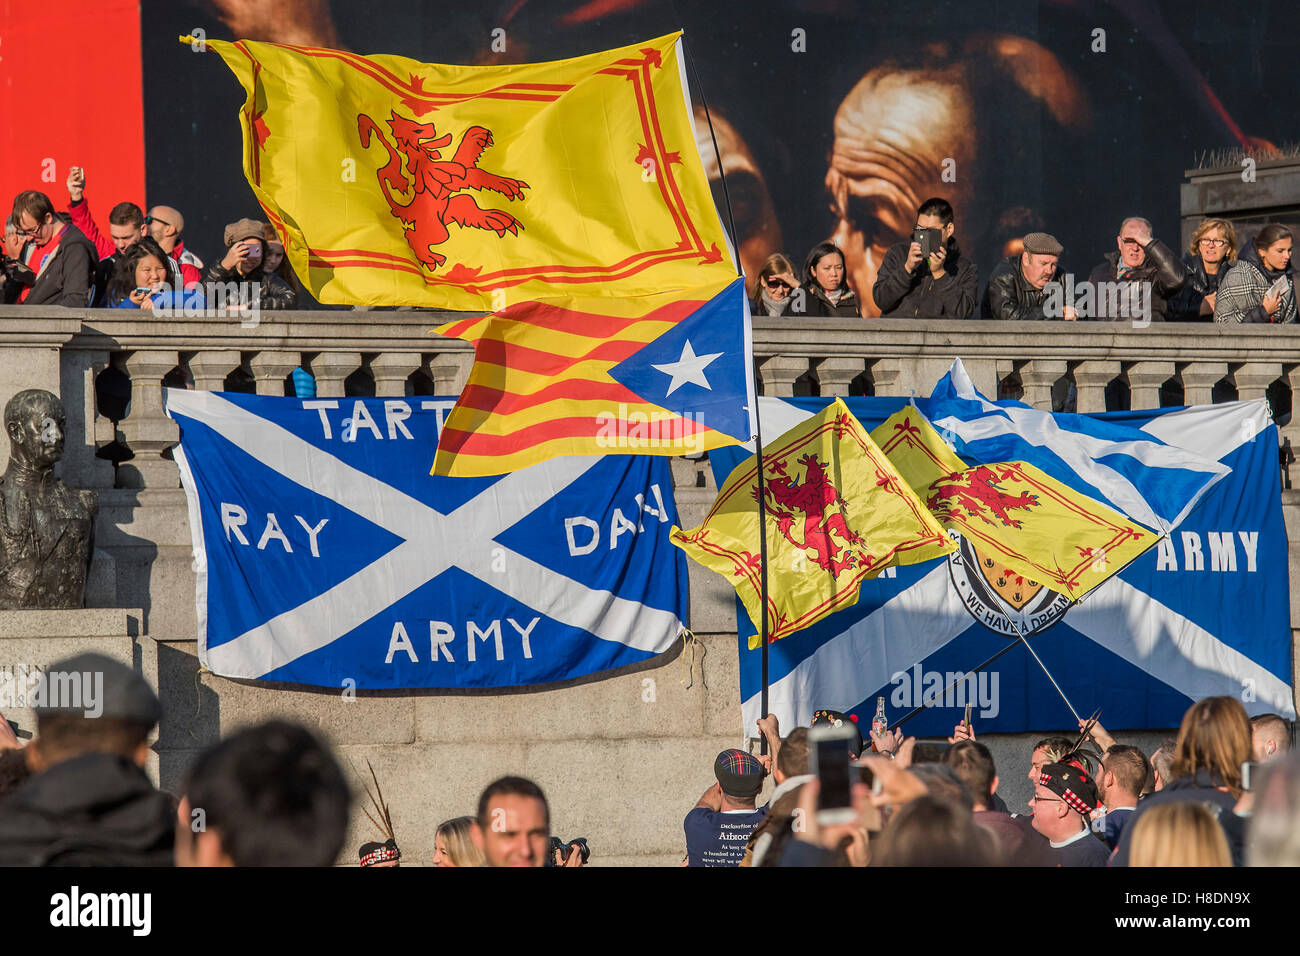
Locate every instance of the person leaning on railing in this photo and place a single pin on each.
(1260, 287)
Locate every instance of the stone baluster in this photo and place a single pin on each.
(1144, 381)
(1254, 378)
(1199, 379)
(391, 370)
(449, 371)
(779, 373)
(331, 369)
(147, 430)
(85, 429)
(270, 369)
(1091, 379)
(211, 367)
(1038, 377)
(887, 377)
(836, 374)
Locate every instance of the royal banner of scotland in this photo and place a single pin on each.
(1204, 612)
(324, 551)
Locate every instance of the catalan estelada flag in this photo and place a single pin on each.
(658, 375)
(394, 182)
(1026, 527)
(838, 513)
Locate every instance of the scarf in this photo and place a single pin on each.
(773, 306)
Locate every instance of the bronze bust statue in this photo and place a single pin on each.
(46, 528)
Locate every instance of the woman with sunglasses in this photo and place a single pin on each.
(776, 282)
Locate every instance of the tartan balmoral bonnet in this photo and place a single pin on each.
(1072, 784)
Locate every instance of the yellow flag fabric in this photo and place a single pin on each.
(394, 182)
(1026, 527)
(838, 514)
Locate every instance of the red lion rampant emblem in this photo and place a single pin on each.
(434, 183)
(812, 498)
(976, 492)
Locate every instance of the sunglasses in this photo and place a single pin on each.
(775, 284)
(149, 219)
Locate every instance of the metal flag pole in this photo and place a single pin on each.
(758, 427)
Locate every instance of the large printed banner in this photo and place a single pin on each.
(325, 552)
(1205, 612)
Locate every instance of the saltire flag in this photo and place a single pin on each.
(658, 375)
(325, 554)
(838, 513)
(395, 182)
(1154, 482)
(1029, 528)
(1203, 613)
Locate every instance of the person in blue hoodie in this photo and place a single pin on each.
(142, 280)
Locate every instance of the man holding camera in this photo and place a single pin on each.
(927, 277)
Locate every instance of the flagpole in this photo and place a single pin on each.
(758, 427)
(916, 710)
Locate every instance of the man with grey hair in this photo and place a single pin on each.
(1140, 259)
(1161, 761)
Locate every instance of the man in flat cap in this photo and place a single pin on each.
(89, 802)
(718, 828)
(245, 251)
(1016, 288)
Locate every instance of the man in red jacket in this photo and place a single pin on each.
(125, 226)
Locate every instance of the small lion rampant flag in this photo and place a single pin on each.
(1027, 528)
(394, 182)
(838, 513)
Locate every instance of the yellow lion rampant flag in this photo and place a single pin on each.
(394, 182)
(838, 513)
(1027, 529)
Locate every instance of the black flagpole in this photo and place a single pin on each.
(758, 428)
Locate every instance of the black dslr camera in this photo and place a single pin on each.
(566, 848)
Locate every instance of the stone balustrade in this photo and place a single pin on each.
(1087, 367)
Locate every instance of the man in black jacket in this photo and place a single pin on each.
(1016, 287)
(1140, 259)
(61, 257)
(89, 802)
(938, 286)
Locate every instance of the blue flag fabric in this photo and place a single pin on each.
(325, 552)
(700, 367)
(1153, 482)
(1206, 612)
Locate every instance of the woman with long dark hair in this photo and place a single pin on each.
(1260, 287)
(826, 290)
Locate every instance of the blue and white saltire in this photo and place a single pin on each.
(1155, 482)
(325, 552)
(1206, 612)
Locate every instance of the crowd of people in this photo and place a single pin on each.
(1225, 792)
(63, 258)
(927, 276)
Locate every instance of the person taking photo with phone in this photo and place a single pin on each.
(243, 263)
(926, 276)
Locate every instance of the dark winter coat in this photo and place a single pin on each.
(1161, 268)
(918, 295)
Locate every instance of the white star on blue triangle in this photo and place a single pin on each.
(671, 370)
